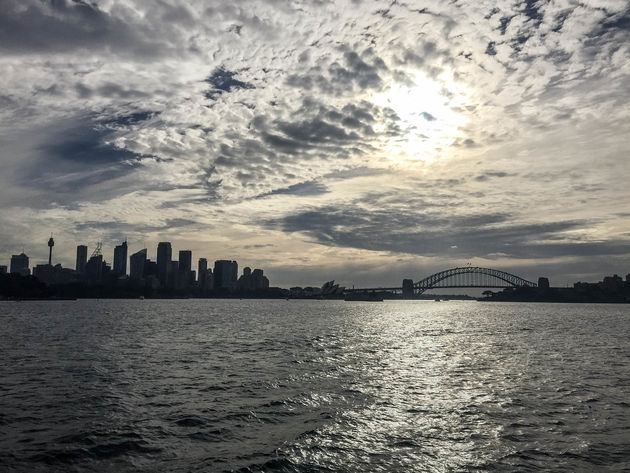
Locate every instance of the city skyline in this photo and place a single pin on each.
(362, 141)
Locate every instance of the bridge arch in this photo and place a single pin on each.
(471, 276)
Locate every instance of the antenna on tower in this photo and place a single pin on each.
(97, 251)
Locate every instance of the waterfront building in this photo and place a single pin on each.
(137, 262)
(81, 258)
(120, 259)
(164, 256)
(225, 274)
(19, 264)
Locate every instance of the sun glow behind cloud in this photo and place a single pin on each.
(426, 110)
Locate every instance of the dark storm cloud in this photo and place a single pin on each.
(28, 26)
(431, 234)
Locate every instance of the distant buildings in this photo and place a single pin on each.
(120, 259)
(19, 265)
(3, 269)
(165, 275)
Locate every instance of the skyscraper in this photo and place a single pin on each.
(185, 260)
(19, 264)
(225, 274)
(202, 267)
(136, 264)
(81, 258)
(120, 259)
(164, 255)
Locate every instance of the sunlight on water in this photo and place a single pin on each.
(218, 385)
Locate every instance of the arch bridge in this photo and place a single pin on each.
(470, 276)
(463, 277)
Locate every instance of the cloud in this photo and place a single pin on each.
(62, 26)
(445, 129)
(224, 81)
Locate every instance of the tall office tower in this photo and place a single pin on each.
(19, 264)
(164, 255)
(186, 277)
(185, 260)
(120, 259)
(136, 264)
(81, 258)
(201, 270)
(225, 274)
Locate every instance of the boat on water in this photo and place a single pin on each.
(363, 296)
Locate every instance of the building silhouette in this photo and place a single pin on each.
(186, 276)
(137, 262)
(94, 268)
(120, 259)
(202, 268)
(81, 258)
(225, 274)
(45, 273)
(3, 269)
(51, 243)
(19, 264)
(164, 256)
(253, 280)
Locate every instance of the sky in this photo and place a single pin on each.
(364, 141)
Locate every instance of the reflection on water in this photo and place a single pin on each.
(221, 385)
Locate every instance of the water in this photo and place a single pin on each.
(309, 386)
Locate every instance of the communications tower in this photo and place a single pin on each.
(51, 243)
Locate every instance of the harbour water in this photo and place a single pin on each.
(309, 386)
